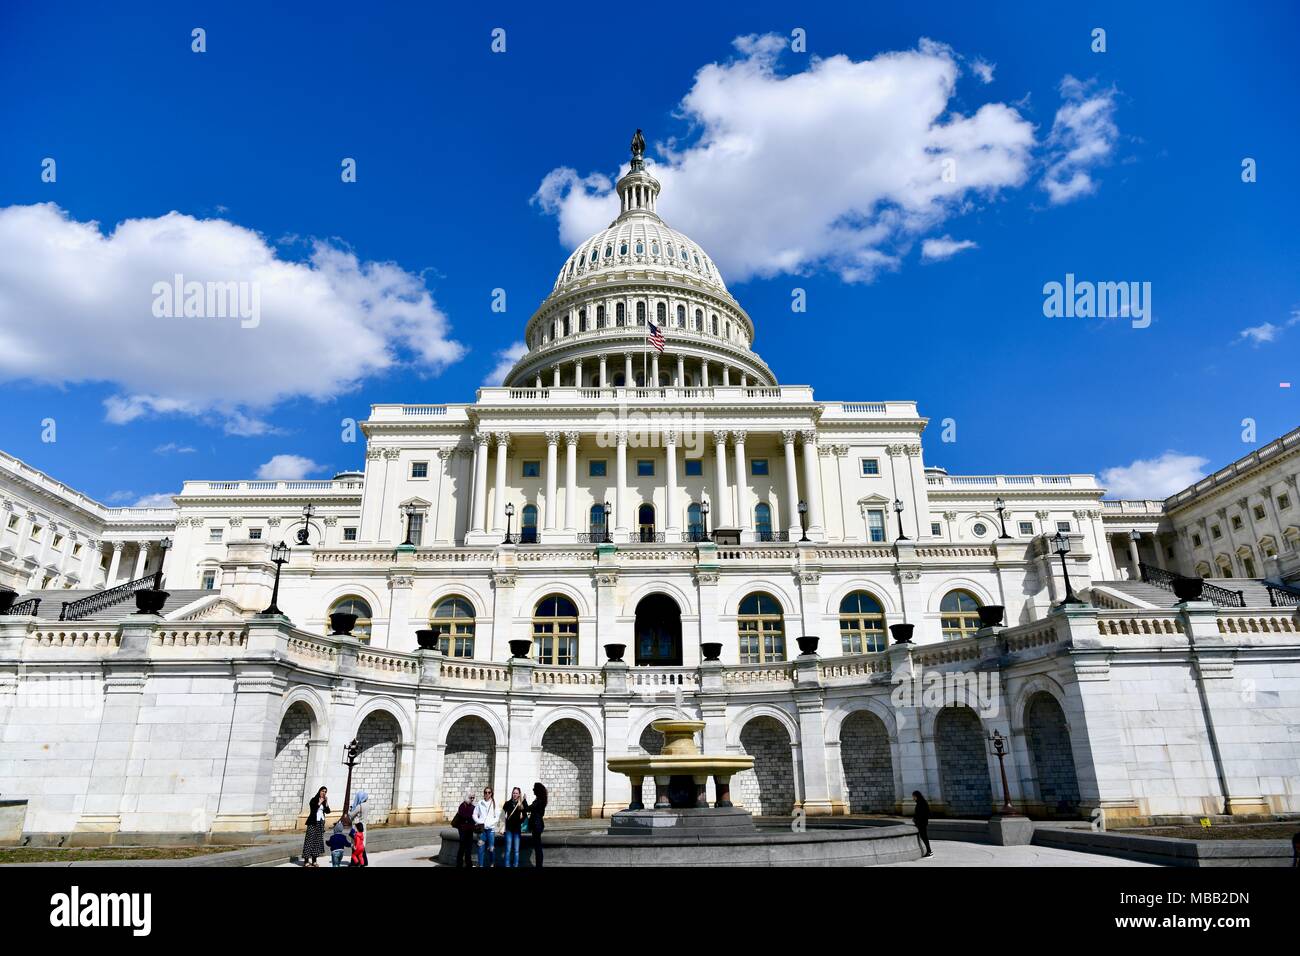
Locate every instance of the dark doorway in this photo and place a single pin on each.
(658, 631)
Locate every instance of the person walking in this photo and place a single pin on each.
(486, 816)
(313, 844)
(338, 841)
(514, 811)
(359, 855)
(921, 820)
(463, 824)
(536, 823)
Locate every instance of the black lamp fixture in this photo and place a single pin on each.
(279, 556)
(605, 531)
(803, 520)
(898, 508)
(1002, 517)
(166, 545)
(704, 512)
(510, 513)
(305, 531)
(1061, 543)
(408, 512)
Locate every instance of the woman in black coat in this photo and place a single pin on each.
(921, 820)
(313, 844)
(536, 823)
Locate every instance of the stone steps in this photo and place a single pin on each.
(53, 598)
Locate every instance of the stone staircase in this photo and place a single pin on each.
(52, 602)
(1253, 591)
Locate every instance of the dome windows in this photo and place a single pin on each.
(685, 258)
(622, 248)
(654, 249)
(681, 316)
(609, 252)
(640, 248)
(670, 250)
(593, 255)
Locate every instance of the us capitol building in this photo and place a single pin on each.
(618, 534)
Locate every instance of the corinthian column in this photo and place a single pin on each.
(812, 482)
(742, 482)
(621, 525)
(552, 505)
(499, 500)
(571, 479)
(792, 522)
(722, 495)
(479, 518)
(671, 527)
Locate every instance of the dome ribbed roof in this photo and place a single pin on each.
(634, 242)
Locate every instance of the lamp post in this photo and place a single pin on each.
(1000, 749)
(704, 512)
(1062, 545)
(510, 513)
(279, 555)
(803, 520)
(1002, 516)
(305, 531)
(898, 509)
(166, 545)
(349, 760)
(604, 533)
(408, 511)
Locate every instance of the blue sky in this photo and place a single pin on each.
(1117, 166)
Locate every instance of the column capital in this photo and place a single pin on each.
(552, 438)
(738, 436)
(620, 438)
(482, 438)
(119, 545)
(571, 438)
(670, 438)
(502, 439)
(788, 436)
(809, 436)
(720, 437)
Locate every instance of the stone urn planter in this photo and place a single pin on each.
(427, 638)
(712, 650)
(902, 633)
(991, 615)
(520, 648)
(615, 652)
(807, 644)
(1189, 589)
(342, 624)
(7, 599)
(149, 601)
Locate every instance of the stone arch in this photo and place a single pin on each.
(460, 590)
(657, 630)
(877, 589)
(392, 708)
(469, 760)
(289, 767)
(310, 698)
(648, 588)
(789, 604)
(867, 759)
(768, 789)
(963, 763)
(1047, 734)
(1038, 684)
(526, 606)
(379, 737)
(568, 713)
(941, 591)
(565, 766)
(353, 589)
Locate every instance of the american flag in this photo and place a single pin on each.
(656, 335)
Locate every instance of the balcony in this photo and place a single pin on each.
(348, 486)
(1017, 482)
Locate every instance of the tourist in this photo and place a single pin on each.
(921, 819)
(359, 855)
(513, 810)
(313, 844)
(536, 810)
(1295, 850)
(463, 824)
(338, 841)
(486, 815)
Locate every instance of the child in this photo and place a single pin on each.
(338, 841)
(359, 856)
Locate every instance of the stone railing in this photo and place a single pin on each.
(388, 662)
(100, 636)
(202, 635)
(1234, 621)
(312, 652)
(648, 679)
(1128, 623)
(592, 677)
(780, 674)
(477, 673)
(854, 667)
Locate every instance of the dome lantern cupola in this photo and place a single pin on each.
(638, 190)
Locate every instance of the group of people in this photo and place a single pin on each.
(346, 834)
(479, 822)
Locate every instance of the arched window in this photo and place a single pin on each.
(620, 314)
(453, 619)
(699, 320)
(761, 628)
(528, 525)
(640, 313)
(566, 326)
(694, 522)
(763, 521)
(598, 529)
(594, 255)
(862, 624)
(661, 314)
(555, 631)
(645, 519)
(681, 316)
(640, 248)
(600, 316)
(582, 320)
(353, 605)
(622, 248)
(670, 250)
(715, 325)
(654, 248)
(609, 252)
(958, 615)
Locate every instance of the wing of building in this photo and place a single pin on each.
(617, 534)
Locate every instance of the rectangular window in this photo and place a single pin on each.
(596, 469)
(1283, 502)
(36, 532)
(419, 469)
(349, 534)
(1259, 512)
(936, 529)
(694, 467)
(876, 525)
(1236, 522)
(13, 519)
(645, 468)
(209, 580)
(532, 469)
(416, 527)
(214, 535)
(1216, 532)
(758, 466)
(1027, 529)
(76, 550)
(57, 542)
(1196, 540)
(1063, 527)
(870, 466)
(254, 534)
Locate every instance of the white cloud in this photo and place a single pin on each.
(287, 468)
(944, 247)
(1083, 135)
(171, 448)
(840, 167)
(1267, 332)
(117, 497)
(506, 360)
(1154, 477)
(983, 69)
(78, 307)
(163, 500)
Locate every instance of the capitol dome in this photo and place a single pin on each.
(637, 272)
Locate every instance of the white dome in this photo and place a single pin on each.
(637, 241)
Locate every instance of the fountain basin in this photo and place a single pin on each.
(681, 773)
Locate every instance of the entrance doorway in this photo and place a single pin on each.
(658, 631)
